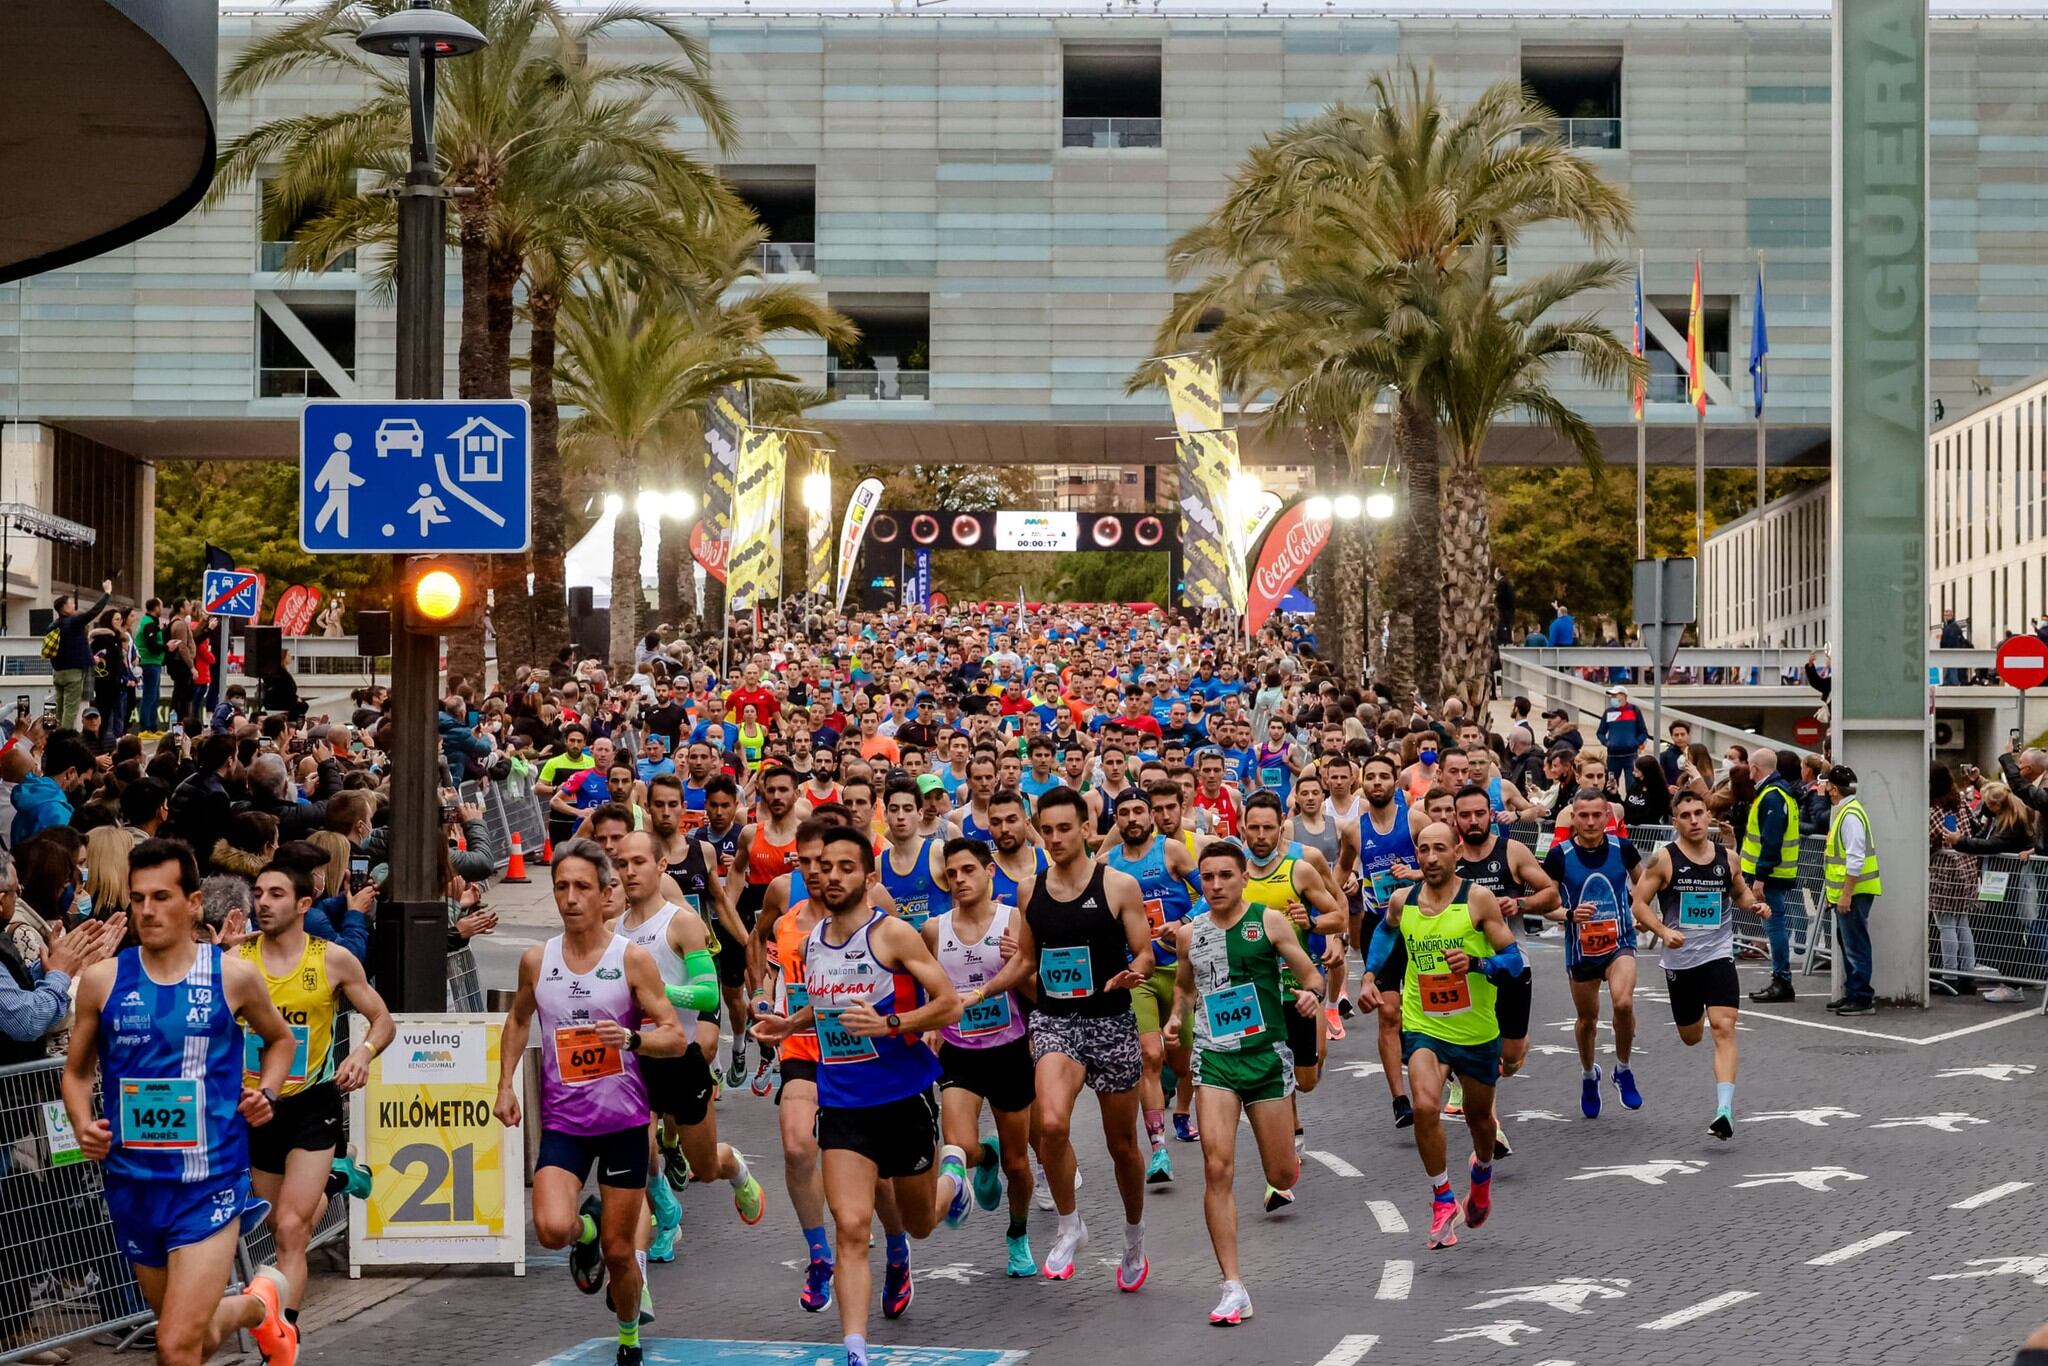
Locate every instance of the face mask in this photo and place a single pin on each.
(81, 909)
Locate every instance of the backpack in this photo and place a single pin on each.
(50, 643)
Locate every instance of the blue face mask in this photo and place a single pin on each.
(1428, 757)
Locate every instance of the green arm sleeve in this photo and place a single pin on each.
(700, 993)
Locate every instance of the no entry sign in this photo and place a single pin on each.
(1808, 731)
(2023, 663)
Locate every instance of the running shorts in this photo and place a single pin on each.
(1512, 999)
(1152, 1002)
(1304, 1039)
(1391, 973)
(1693, 990)
(1106, 1046)
(153, 1219)
(1473, 1062)
(900, 1137)
(679, 1087)
(1595, 969)
(798, 1069)
(731, 958)
(1003, 1075)
(1255, 1075)
(619, 1156)
(309, 1121)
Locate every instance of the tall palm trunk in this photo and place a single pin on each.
(673, 600)
(1419, 591)
(501, 284)
(1469, 617)
(472, 369)
(1344, 592)
(550, 606)
(627, 596)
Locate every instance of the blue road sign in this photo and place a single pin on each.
(446, 476)
(230, 592)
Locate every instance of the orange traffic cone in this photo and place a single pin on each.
(547, 851)
(515, 869)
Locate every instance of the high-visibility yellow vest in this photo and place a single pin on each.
(1753, 835)
(1835, 868)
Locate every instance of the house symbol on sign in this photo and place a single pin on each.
(480, 451)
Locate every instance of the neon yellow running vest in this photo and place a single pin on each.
(1435, 1002)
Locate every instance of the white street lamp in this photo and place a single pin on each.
(817, 493)
(613, 505)
(1317, 509)
(648, 504)
(1380, 506)
(1346, 506)
(679, 505)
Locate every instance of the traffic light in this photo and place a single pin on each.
(441, 595)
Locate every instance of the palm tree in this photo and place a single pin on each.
(1389, 199)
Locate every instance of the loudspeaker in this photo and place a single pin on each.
(373, 634)
(262, 650)
(41, 619)
(582, 602)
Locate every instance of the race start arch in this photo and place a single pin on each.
(894, 537)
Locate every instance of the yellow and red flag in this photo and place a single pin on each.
(1696, 346)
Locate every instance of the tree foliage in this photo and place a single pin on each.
(249, 508)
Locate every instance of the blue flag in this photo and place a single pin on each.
(1759, 347)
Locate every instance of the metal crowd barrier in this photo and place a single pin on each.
(1988, 920)
(465, 988)
(510, 807)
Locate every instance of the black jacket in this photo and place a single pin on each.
(199, 811)
(2033, 794)
(73, 650)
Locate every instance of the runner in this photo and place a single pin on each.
(1682, 896)
(155, 1025)
(590, 990)
(971, 820)
(768, 846)
(1283, 877)
(291, 1157)
(1085, 934)
(985, 1057)
(1017, 858)
(1218, 801)
(1310, 826)
(1592, 871)
(877, 1120)
(1452, 929)
(921, 891)
(1231, 963)
(1164, 871)
(1385, 839)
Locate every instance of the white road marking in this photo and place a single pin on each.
(2036, 1268)
(1334, 1163)
(2014, 1018)
(1857, 1249)
(1990, 1071)
(1350, 1349)
(1502, 1332)
(1651, 1173)
(1567, 1296)
(1750, 1013)
(1678, 1318)
(1812, 1178)
(1983, 1198)
(1556, 1362)
(1817, 1117)
(1395, 1279)
(1387, 1216)
(1948, 1121)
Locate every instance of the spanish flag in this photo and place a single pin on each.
(1696, 346)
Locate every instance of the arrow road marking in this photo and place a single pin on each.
(1395, 1278)
(1350, 1349)
(1651, 1173)
(1994, 1071)
(1677, 1318)
(1983, 1198)
(1857, 1249)
(1387, 1216)
(1335, 1163)
(2034, 1267)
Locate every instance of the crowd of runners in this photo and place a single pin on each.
(921, 882)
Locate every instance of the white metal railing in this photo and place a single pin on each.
(293, 381)
(1109, 133)
(879, 384)
(274, 253)
(786, 258)
(1584, 134)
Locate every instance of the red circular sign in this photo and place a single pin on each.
(1808, 731)
(2023, 663)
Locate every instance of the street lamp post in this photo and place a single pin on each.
(412, 928)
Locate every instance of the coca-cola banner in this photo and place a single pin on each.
(1292, 544)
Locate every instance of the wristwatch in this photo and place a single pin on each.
(267, 1094)
(633, 1041)
(894, 1021)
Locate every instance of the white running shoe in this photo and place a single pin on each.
(1043, 1197)
(1234, 1308)
(1066, 1246)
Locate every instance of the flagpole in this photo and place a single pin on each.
(1642, 431)
(1699, 423)
(1756, 550)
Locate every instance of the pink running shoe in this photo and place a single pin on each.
(1443, 1222)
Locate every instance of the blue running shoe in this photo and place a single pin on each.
(663, 1248)
(963, 1191)
(1159, 1168)
(1184, 1130)
(897, 1290)
(1589, 1095)
(1625, 1082)
(817, 1292)
(1022, 1264)
(988, 1177)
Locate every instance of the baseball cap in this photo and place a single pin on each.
(1841, 775)
(929, 782)
(1559, 712)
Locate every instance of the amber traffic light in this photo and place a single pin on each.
(441, 595)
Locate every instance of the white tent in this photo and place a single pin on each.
(589, 562)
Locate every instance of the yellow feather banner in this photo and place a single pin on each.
(753, 572)
(1212, 546)
(818, 527)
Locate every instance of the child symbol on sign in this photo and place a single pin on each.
(428, 508)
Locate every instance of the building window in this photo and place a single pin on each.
(1111, 95)
(1211, 319)
(93, 485)
(1581, 85)
(785, 200)
(283, 369)
(892, 357)
(1667, 371)
(277, 231)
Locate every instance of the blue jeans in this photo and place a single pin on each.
(1854, 928)
(152, 690)
(1785, 902)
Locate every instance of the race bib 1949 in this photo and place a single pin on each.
(1233, 1013)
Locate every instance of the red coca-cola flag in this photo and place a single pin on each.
(1291, 546)
(708, 551)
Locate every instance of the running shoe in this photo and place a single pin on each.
(1500, 1146)
(766, 1075)
(988, 1176)
(1404, 1112)
(1443, 1221)
(1184, 1130)
(1589, 1095)
(1335, 1022)
(276, 1336)
(749, 1200)
(663, 1248)
(646, 1304)
(962, 1203)
(1479, 1199)
(1059, 1258)
(736, 1074)
(1234, 1308)
(1454, 1100)
(1277, 1199)
(349, 1177)
(675, 1168)
(898, 1289)
(855, 1357)
(1344, 1007)
(627, 1356)
(817, 1292)
(1625, 1082)
(1158, 1168)
(586, 1259)
(1021, 1264)
(1130, 1275)
(1723, 1126)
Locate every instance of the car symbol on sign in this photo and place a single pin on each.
(400, 434)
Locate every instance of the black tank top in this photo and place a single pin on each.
(689, 871)
(1069, 931)
(1492, 872)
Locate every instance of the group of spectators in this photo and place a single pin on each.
(109, 664)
